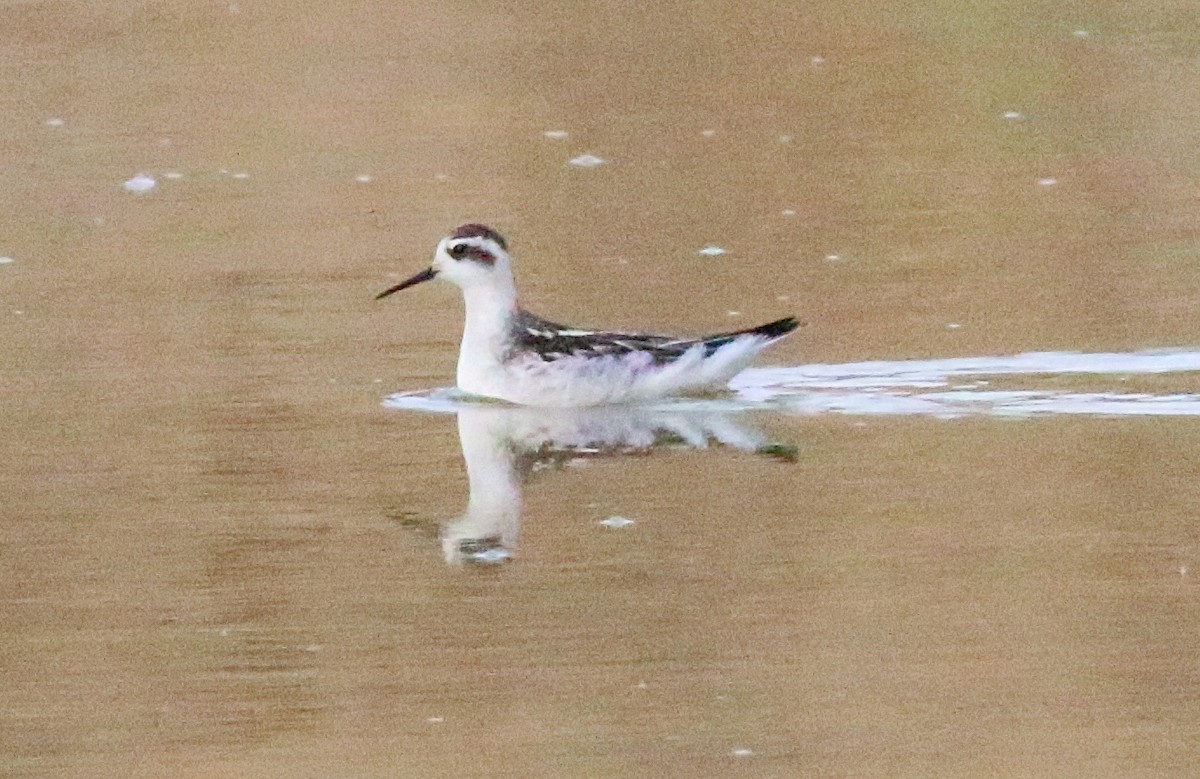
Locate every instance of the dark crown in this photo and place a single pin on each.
(479, 231)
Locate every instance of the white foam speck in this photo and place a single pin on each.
(742, 752)
(1012, 115)
(788, 212)
(1047, 182)
(818, 60)
(6, 260)
(733, 313)
(364, 178)
(241, 175)
(708, 133)
(617, 522)
(435, 720)
(1081, 33)
(712, 251)
(556, 135)
(55, 122)
(139, 184)
(833, 257)
(953, 325)
(587, 161)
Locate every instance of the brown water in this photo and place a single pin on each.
(222, 555)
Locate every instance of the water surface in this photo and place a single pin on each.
(226, 556)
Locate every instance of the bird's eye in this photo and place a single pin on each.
(458, 251)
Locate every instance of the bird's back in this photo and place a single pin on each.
(551, 341)
(549, 364)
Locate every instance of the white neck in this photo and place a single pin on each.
(490, 308)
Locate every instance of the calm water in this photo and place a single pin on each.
(951, 531)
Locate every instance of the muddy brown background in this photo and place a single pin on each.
(217, 546)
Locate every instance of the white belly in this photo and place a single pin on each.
(592, 381)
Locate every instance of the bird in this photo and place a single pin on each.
(510, 354)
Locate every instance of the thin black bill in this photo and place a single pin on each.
(424, 275)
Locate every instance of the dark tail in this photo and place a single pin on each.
(777, 329)
(771, 331)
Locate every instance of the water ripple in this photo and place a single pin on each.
(944, 388)
(925, 387)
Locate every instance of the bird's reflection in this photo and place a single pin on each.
(503, 445)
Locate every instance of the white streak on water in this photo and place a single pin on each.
(903, 387)
(939, 388)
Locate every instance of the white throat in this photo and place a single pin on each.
(489, 312)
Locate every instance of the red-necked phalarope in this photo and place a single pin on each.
(512, 355)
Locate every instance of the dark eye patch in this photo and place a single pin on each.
(466, 251)
(480, 255)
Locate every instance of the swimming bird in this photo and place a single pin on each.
(510, 354)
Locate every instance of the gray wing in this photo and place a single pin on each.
(552, 341)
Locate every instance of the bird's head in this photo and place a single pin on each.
(473, 255)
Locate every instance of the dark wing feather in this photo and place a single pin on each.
(552, 341)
